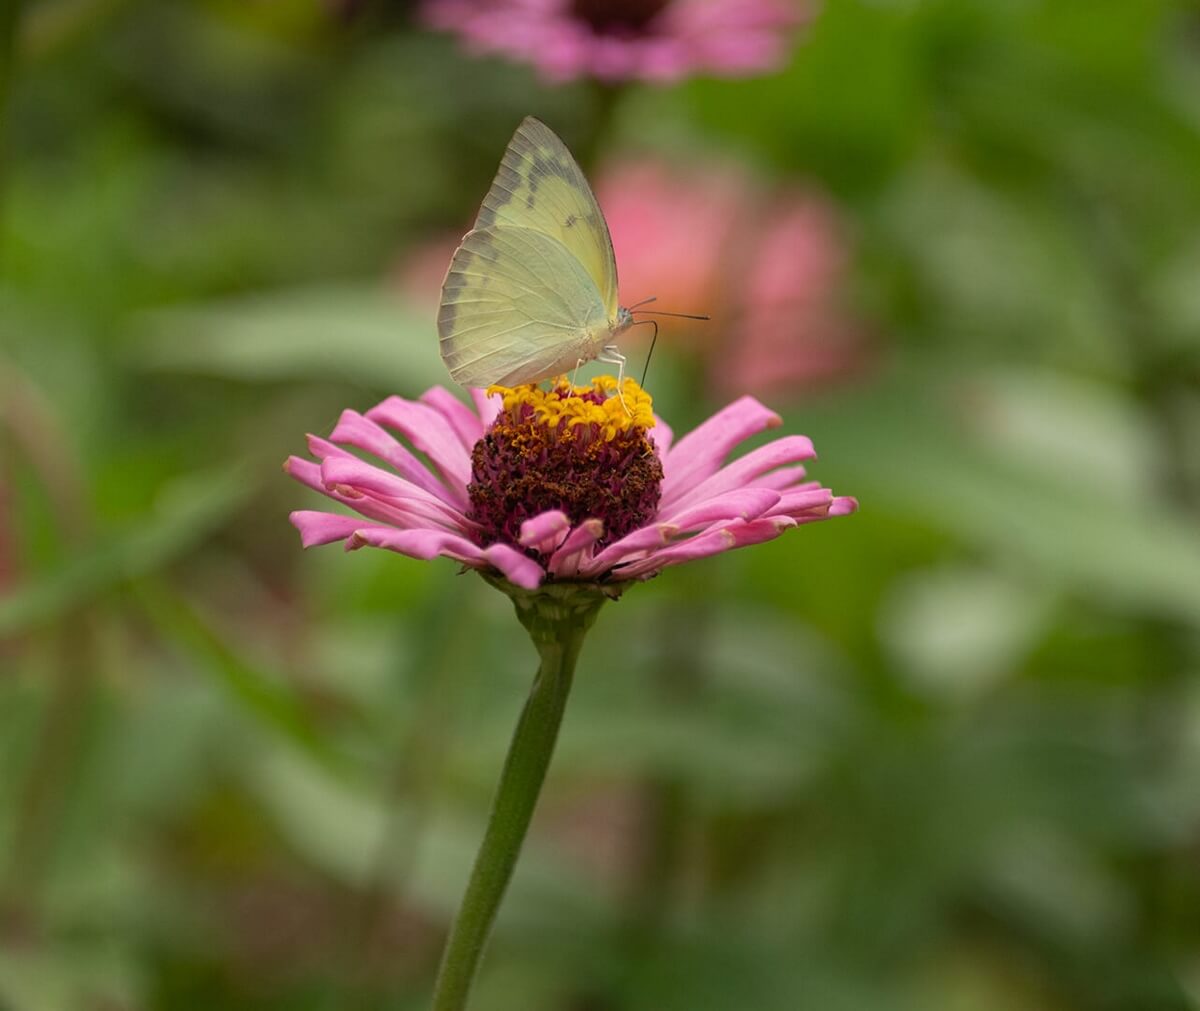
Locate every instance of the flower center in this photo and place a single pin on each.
(581, 449)
(605, 16)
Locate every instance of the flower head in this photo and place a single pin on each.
(580, 484)
(573, 449)
(613, 40)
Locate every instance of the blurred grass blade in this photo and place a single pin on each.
(268, 701)
(360, 335)
(195, 506)
(928, 458)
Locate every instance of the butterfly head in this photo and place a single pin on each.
(626, 320)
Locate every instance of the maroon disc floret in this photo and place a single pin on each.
(522, 468)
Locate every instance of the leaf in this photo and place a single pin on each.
(268, 701)
(193, 507)
(359, 335)
(69, 975)
(930, 456)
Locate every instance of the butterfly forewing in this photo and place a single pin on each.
(516, 308)
(532, 290)
(539, 185)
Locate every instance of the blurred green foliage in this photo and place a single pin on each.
(942, 756)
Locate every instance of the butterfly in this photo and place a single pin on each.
(531, 292)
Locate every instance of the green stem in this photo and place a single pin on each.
(557, 618)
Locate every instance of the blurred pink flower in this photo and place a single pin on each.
(793, 329)
(615, 40)
(672, 232)
(771, 269)
(555, 485)
(420, 271)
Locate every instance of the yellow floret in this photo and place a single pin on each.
(631, 408)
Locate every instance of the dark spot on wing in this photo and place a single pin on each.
(571, 219)
(529, 200)
(498, 197)
(554, 167)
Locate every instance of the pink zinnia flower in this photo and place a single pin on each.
(565, 485)
(614, 40)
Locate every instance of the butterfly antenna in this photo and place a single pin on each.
(644, 301)
(653, 341)
(661, 312)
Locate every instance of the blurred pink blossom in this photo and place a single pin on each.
(793, 329)
(616, 40)
(672, 232)
(770, 268)
(420, 271)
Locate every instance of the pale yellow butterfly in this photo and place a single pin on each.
(531, 292)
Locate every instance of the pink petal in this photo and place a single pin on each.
(662, 436)
(405, 514)
(743, 470)
(426, 544)
(757, 531)
(463, 420)
(701, 452)
(488, 407)
(636, 543)
(339, 473)
(545, 531)
(426, 429)
(736, 535)
(784, 477)
(744, 503)
(517, 567)
(843, 505)
(710, 543)
(354, 429)
(798, 503)
(324, 528)
(565, 561)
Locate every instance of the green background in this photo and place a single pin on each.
(941, 756)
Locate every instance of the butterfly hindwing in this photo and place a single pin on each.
(517, 307)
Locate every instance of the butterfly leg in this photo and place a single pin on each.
(575, 374)
(612, 356)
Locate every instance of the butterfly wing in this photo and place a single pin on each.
(540, 186)
(517, 307)
(534, 284)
